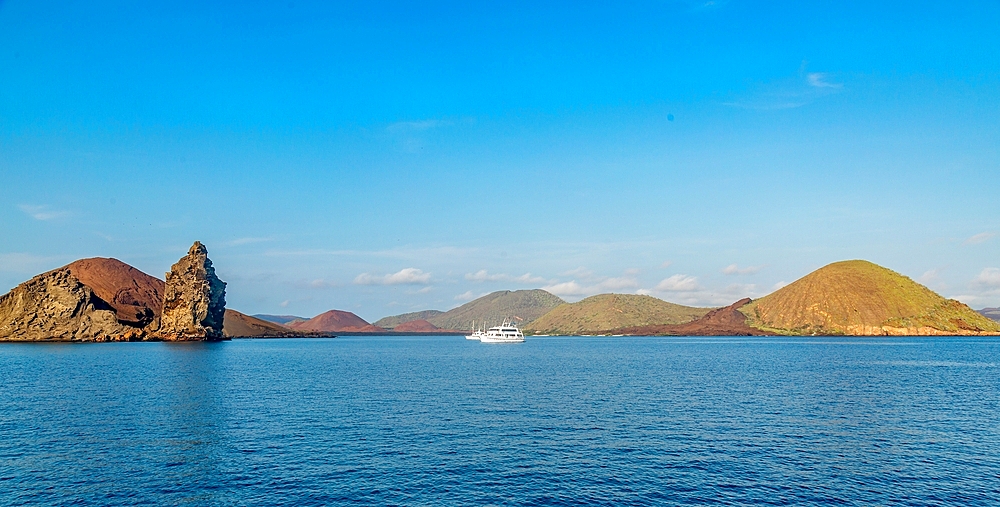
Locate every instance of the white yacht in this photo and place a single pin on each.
(477, 334)
(504, 333)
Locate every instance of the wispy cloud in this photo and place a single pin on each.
(930, 276)
(469, 296)
(406, 276)
(25, 263)
(734, 269)
(42, 212)
(417, 126)
(788, 93)
(988, 278)
(982, 237)
(592, 286)
(678, 283)
(246, 241)
(820, 80)
(484, 276)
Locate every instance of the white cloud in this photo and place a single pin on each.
(624, 282)
(779, 285)
(406, 276)
(483, 276)
(566, 289)
(527, 278)
(425, 290)
(666, 264)
(284, 304)
(678, 283)
(988, 278)
(42, 212)
(595, 286)
(979, 238)
(734, 269)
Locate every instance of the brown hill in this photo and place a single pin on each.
(416, 326)
(522, 305)
(136, 297)
(395, 320)
(240, 325)
(991, 313)
(602, 312)
(862, 298)
(334, 321)
(727, 321)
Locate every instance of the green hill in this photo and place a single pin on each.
(862, 298)
(395, 320)
(526, 305)
(612, 311)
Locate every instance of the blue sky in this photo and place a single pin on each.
(383, 158)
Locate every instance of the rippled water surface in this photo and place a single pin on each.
(553, 421)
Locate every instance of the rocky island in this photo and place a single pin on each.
(103, 299)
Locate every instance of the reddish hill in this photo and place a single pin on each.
(136, 297)
(416, 326)
(240, 325)
(334, 321)
(727, 321)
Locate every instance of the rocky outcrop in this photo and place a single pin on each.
(57, 306)
(194, 300)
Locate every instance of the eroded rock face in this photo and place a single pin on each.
(57, 306)
(194, 300)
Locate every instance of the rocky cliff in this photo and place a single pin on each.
(194, 300)
(57, 306)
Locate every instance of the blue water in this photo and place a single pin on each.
(554, 421)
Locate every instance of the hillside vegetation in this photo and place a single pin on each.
(523, 306)
(612, 311)
(861, 298)
(395, 320)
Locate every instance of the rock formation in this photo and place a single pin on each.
(194, 300)
(57, 306)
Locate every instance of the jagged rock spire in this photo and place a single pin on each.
(194, 300)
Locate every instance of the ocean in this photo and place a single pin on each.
(553, 421)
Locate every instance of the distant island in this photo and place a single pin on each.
(102, 299)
